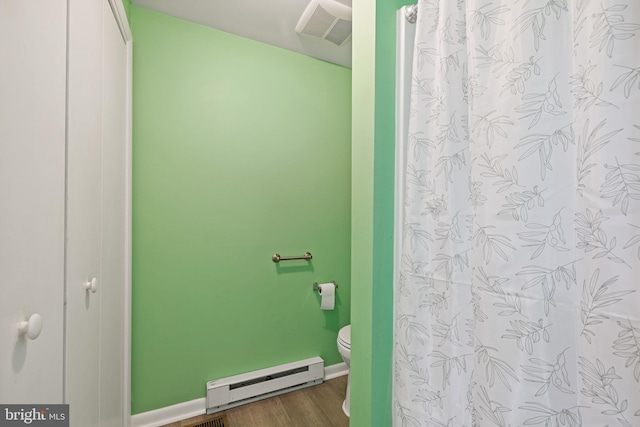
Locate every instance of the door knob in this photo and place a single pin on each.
(91, 285)
(32, 327)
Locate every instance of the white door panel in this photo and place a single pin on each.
(84, 207)
(32, 164)
(114, 110)
(63, 183)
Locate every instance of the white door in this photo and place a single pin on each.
(96, 170)
(32, 174)
(114, 110)
(84, 210)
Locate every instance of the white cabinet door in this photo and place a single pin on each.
(114, 110)
(84, 209)
(32, 173)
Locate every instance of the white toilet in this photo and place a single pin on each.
(344, 348)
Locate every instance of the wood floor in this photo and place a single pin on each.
(317, 406)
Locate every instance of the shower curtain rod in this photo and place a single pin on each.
(411, 13)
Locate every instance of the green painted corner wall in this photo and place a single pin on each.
(240, 150)
(373, 187)
(127, 8)
(383, 211)
(363, 89)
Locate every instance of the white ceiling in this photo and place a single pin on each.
(268, 21)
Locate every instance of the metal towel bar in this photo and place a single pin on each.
(277, 258)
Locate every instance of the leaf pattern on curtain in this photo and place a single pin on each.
(516, 301)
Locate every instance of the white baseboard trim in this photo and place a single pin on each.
(193, 408)
(170, 414)
(335, 371)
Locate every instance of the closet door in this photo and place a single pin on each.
(32, 173)
(84, 211)
(96, 165)
(114, 108)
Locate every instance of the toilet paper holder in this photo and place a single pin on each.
(316, 287)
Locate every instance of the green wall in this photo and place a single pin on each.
(383, 210)
(127, 8)
(373, 142)
(363, 95)
(240, 150)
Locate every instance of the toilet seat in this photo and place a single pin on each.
(344, 336)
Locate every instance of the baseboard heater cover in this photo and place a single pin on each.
(226, 393)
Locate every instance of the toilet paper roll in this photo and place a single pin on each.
(328, 293)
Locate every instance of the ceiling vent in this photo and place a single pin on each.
(326, 19)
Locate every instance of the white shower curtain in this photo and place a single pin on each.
(516, 298)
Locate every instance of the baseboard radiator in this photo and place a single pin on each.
(237, 390)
